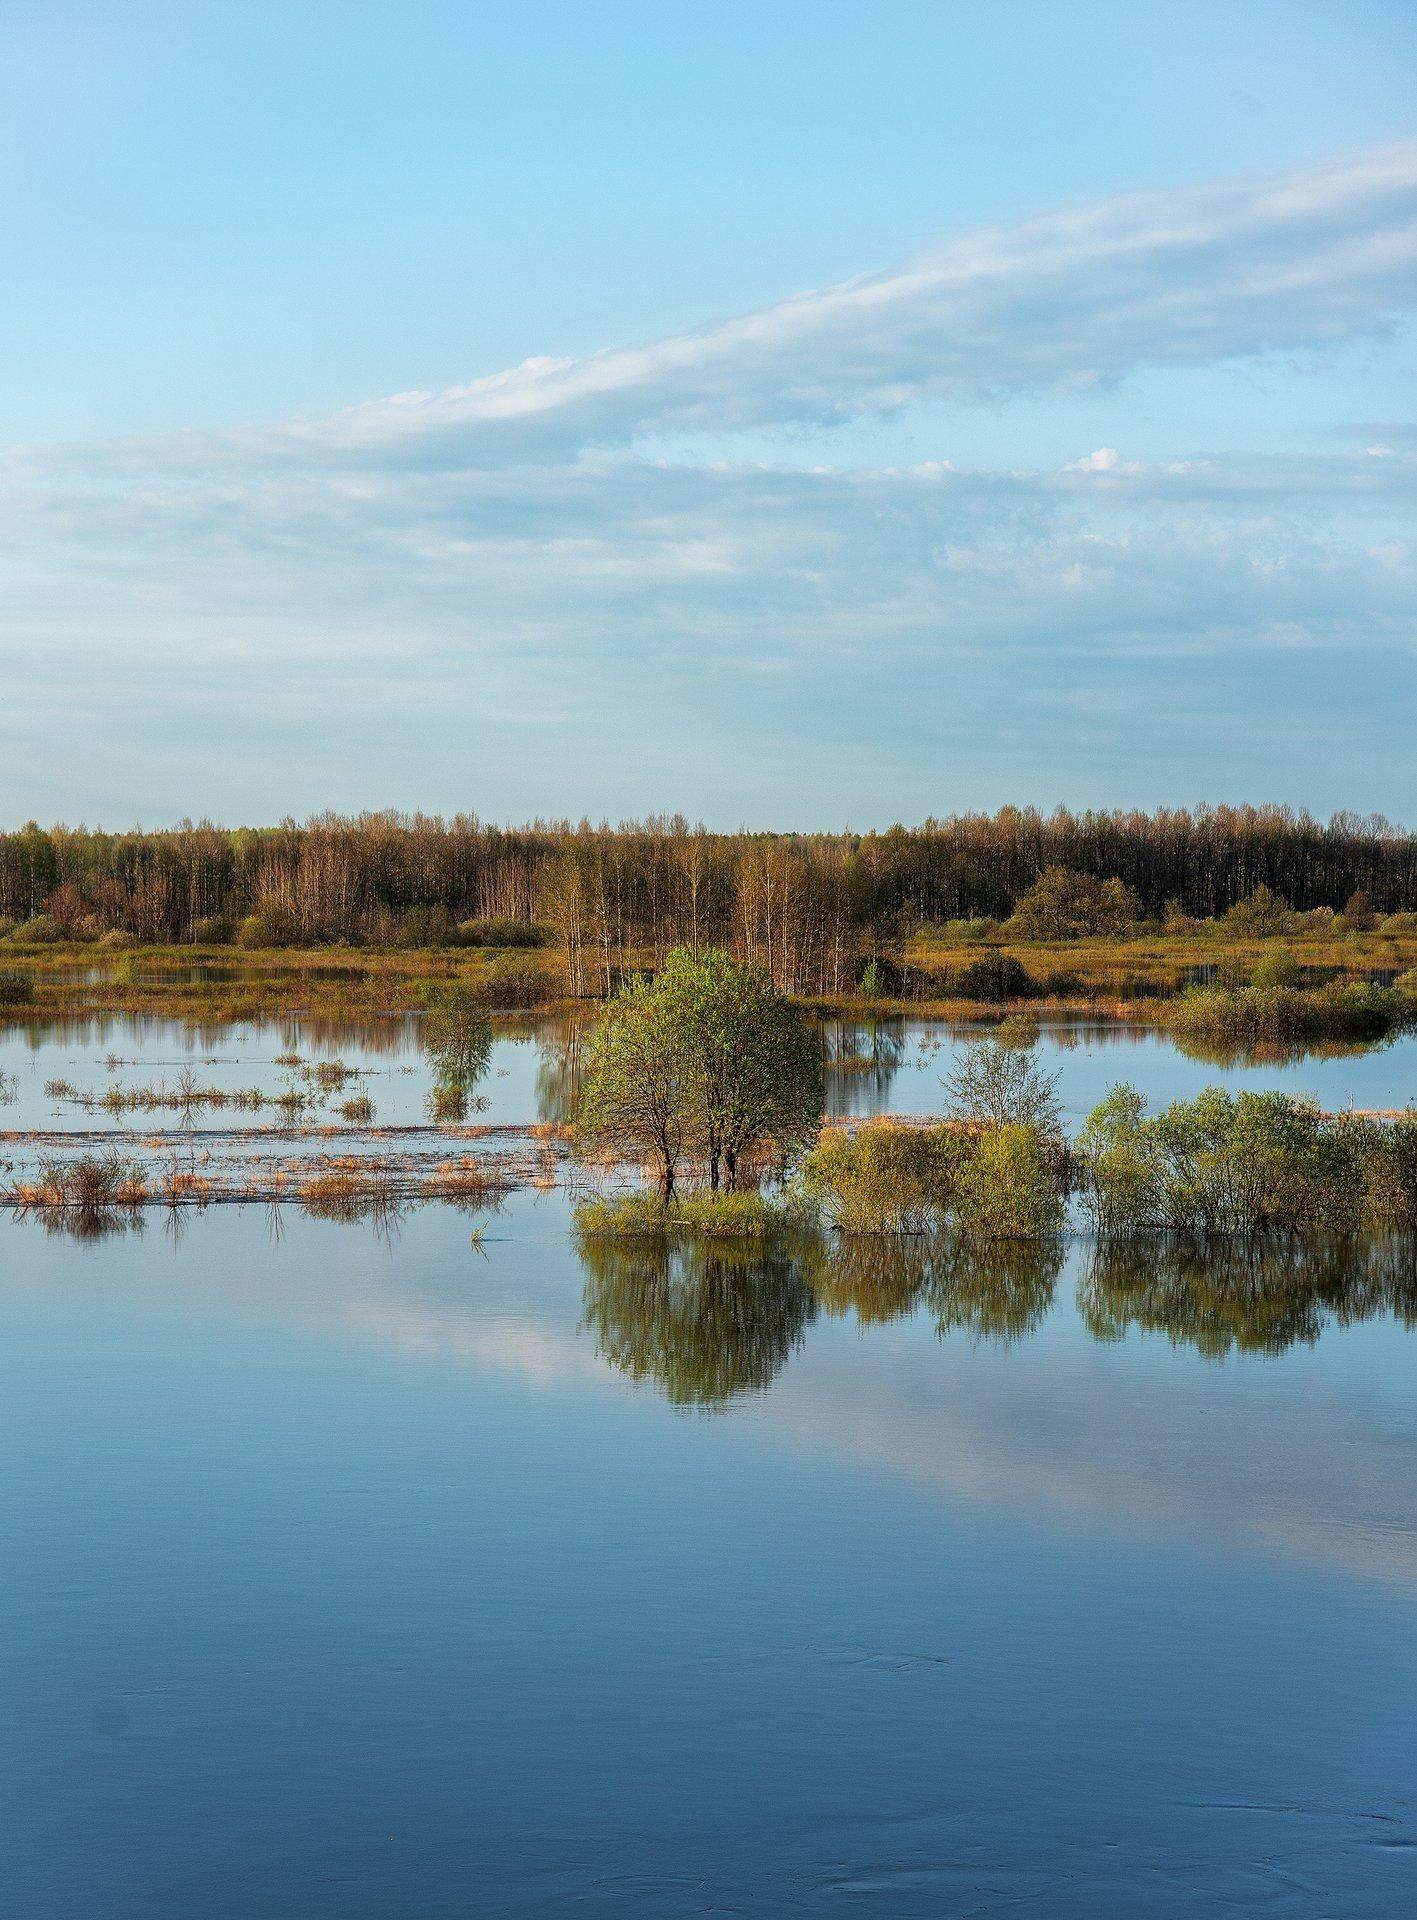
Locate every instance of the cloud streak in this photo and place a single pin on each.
(1064, 302)
(509, 556)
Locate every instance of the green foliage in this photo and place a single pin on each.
(1247, 1164)
(1349, 1010)
(989, 1184)
(638, 1093)
(1064, 905)
(1260, 916)
(885, 1178)
(1009, 1187)
(41, 931)
(999, 1086)
(270, 925)
(705, 1060)
(1277, 968)
(994, 977)
(16, 987)
(755, 1065)
(503, 933)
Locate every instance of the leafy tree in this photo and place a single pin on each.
(1062, 905)
(999, 1086)
(637, 1097)
(707, 1059)
(755, 1065)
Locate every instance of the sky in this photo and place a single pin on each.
(790, 415)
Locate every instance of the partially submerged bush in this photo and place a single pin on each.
(16, 987)
(1349, 1010)
(1009, 1187)
(883, 1177)
(1246, 1163)
(987, 1183)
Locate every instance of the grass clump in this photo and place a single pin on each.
(1253, 1015)
(644, 1215)
(16, 987)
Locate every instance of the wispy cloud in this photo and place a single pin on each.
(1067, 301)
(445, 559)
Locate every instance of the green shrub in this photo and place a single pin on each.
(1277, 968)
(884, 1177)
(1009, 1187)
(510, 983)
(503, 933)
(995, 976)
(1246, 1163)
(1343, 1011)
(1060, 982)
(41, 931)
(16, 987)
(271, 925)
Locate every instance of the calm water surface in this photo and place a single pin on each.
(355, 1575)
(348, 1576)
(886, 1066)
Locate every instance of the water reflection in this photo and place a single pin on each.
(706, 1320)
(1243, 1296)
(710, 1320)
(861, 1060)
(1000, 1293)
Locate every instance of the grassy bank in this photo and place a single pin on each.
(939, 972)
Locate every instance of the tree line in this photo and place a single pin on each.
(804, 907)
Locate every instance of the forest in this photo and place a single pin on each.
(806, 907)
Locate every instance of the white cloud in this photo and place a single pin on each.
(1183, 277)
(434, 562)
(1103, 461)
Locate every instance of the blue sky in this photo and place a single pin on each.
(793, 415)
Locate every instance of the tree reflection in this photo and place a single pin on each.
(457, 1034)
(560, 1068)
(857, 1054)
(997, 1290)
(1244, 1295)
(707, 1320)
(876, 1276)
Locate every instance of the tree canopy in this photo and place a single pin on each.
(708, 1060)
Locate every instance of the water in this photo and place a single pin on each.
(349, 1574)
(884, 1066)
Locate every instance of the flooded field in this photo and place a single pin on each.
(351, 1574)
(425, 1559)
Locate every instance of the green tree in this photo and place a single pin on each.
(1062, 904)
(754, 1064)
(637, 1097)
(998, 1086)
